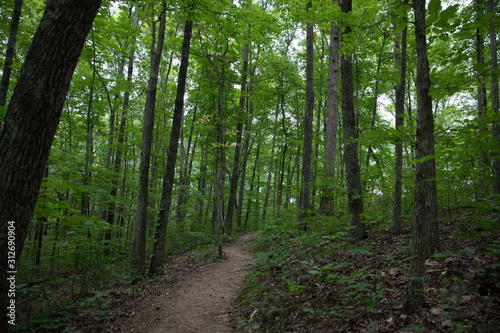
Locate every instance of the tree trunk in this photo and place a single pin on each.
(270, 172)
(11, 49)
(375, 100)
(425, 204)
(237, 147)
(494, 101)
(147, 134)
(353, 176)
(305, 186)
(168, 178)
(400, 110)
(246, 151)
(482, 101)
(332, 111)
(35, 107)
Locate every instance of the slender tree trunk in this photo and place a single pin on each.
(89, 147)
(237, 147)
(482, 101)
(305, 187)
(11, 49)
(147, 133)
(270, 172)
(332, 111)
(168, 179)
(35, 107)
(400, 110)
(425, 205)
(494, 100)
(246, 151)
(249, 203)
(353, 176)
(375, 98)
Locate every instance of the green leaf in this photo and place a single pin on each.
(434, 7)
(469, 251)
(359, 249)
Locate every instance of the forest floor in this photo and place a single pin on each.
(193, 296)
(319, 282)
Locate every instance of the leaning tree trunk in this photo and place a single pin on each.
(353, 176)
(35, 107)
(168, 178)
(326, 206)
(147, 134)
(400, 110)
(9, 54)
(425, 204)
(305, 186)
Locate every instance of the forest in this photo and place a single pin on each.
(357, 141)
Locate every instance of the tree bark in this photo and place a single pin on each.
(353, 176)
(305, 186)
(400, 110)
(32, 118)
(425, 203)
(482, 100)
(270, 172)
(11, 49)
(494, 101)
(147, 134)
(375, 100)
(332, 112)
(237, 147)
(168, 179)
(246, 151)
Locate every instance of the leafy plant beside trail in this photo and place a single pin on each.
(319, 282)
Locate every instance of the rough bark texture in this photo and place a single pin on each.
(425, 204)
(168, 178)
(353, 176)
(32, 118)
(400, 110)
(237, 148)
(332, 112)
(147, 135)
(9, 54)
(305, 186)
(494, 99)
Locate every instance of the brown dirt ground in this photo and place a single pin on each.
(201, 302)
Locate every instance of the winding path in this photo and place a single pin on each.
(201, 303)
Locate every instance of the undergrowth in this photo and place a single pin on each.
(316, 281)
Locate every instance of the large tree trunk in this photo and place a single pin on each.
(237, 147)
(147, 134)
(425, 204)
(353, 176)
(9, 54)
(305, 186)
(332, 112)
(168, 178)
(494, 100)
(31, 121)
(400, 110)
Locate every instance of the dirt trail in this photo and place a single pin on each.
(201, 303)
